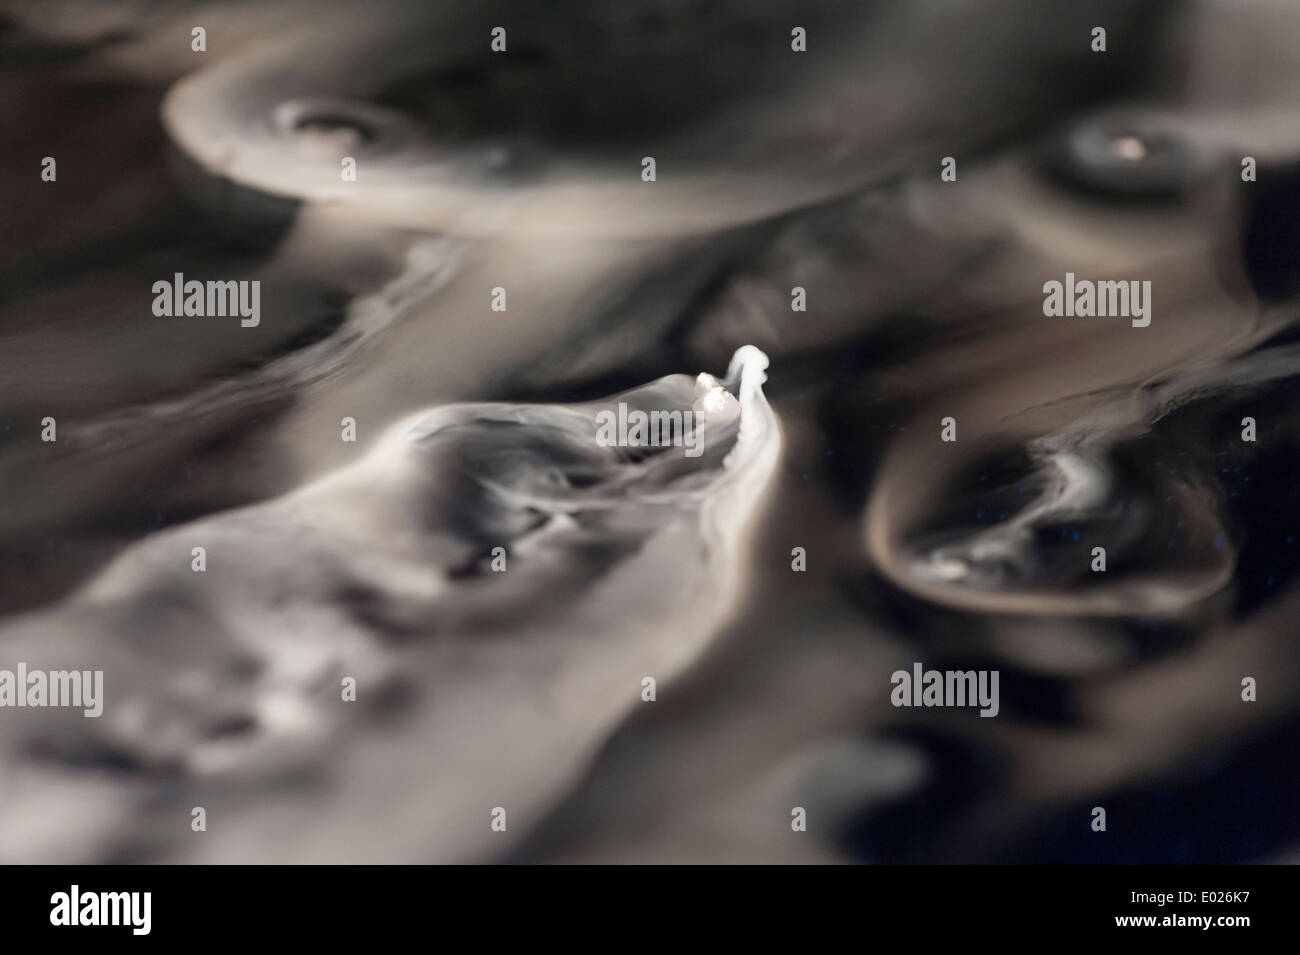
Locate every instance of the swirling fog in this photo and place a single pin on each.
(499, 582)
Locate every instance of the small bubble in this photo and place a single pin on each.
(1129, 147)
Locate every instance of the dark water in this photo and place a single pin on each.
(519, 685)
